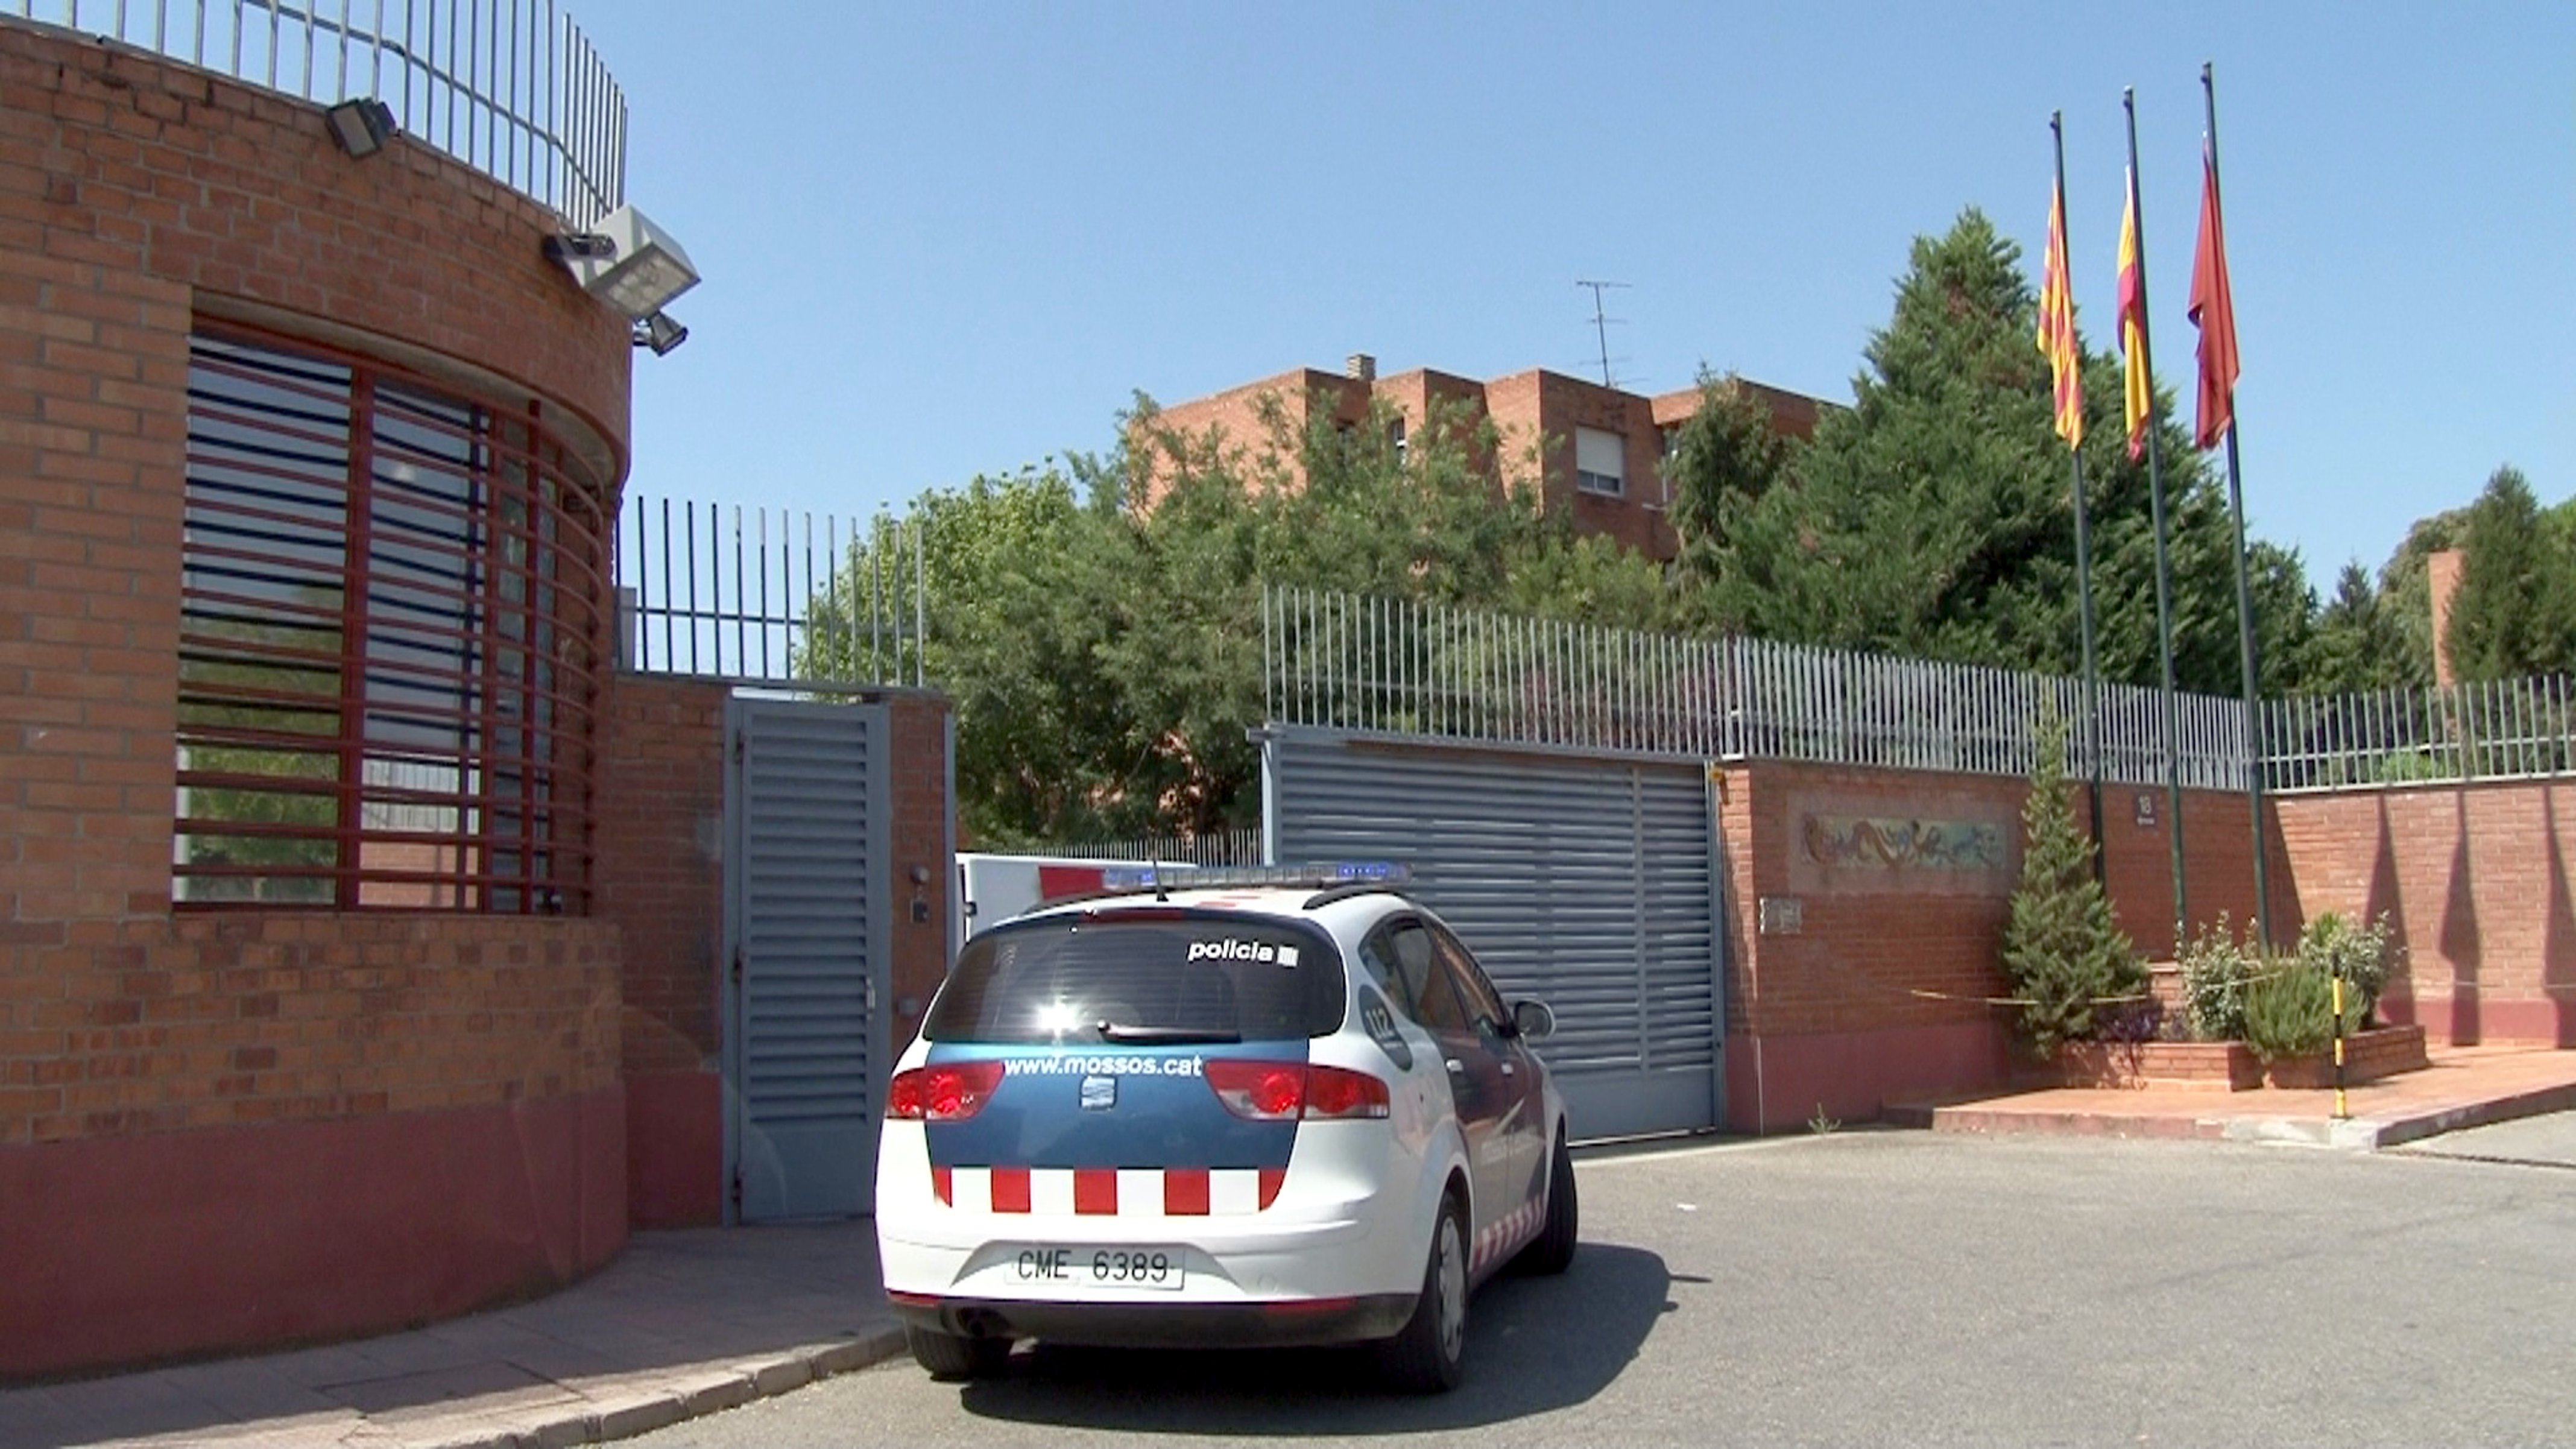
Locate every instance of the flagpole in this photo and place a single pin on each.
(2164, 568)
(2246, 646)
(2083, 559)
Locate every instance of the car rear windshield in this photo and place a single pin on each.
(1171, 978)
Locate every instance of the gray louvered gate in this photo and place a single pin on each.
(1586, 882)
(806, 914)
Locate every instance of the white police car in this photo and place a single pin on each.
(1233, 1114)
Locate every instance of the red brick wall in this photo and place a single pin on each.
(2476, 879)
(238, 1129)
(919, 842)
(661, 865)
(1881, 990)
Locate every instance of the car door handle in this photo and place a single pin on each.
(1456, 1067)
(1507, 1070)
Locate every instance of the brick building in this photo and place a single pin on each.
(346, 887)
(1597, 451)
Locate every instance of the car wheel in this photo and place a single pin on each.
(1552, 1251)
(1429, 1356)
(950, 1356)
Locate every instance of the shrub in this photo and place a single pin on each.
(2289, 1011)
(2361, 955)
(2066, 960)
(2215, 968)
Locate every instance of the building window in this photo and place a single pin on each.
(1600, 462)
(1395, 435)
(393, 617)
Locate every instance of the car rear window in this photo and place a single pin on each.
(1196, 975)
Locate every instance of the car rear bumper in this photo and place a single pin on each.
(1291, 1323)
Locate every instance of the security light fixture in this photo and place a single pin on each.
(661, 332)
(643, 270)
(587, 246)
(362, 127)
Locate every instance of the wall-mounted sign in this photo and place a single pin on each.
(1782, 915)
(2146, 810)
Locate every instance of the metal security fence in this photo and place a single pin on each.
(511, 88)
(772, 596)
(1337, 661)
(2492, 730)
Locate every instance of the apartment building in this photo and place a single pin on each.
(1598, 451)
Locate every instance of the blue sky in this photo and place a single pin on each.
(944, 239)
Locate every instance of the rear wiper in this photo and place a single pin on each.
(1166, 1035)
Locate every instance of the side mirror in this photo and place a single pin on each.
(1535, 1021)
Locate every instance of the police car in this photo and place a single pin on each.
(1282, 1109)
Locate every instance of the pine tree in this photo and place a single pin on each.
(2506, 619)
(2063, 954)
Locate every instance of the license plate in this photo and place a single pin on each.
(1153, 1268)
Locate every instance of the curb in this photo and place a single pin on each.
(2361, 1134)
(685, 1396)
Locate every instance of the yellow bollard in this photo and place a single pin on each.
(2342, 1112)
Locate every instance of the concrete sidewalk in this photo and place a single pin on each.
(2464, 1087)
(682, 1324)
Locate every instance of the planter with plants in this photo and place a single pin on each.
(2247, 1016)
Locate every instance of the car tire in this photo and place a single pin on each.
(949, 1357)
(1429, 1355)
(1552, 1251)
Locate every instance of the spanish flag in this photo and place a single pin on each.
(2133, 324)
(2057, 327)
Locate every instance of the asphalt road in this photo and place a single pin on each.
(1897, 1288)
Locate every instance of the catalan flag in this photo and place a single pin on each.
(2057, 327)
(2213, 311)
(2133, 325)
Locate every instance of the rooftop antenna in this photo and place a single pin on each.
(1601, 323)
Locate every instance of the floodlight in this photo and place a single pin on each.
(362, 127)
(642, 272)
(661, 332)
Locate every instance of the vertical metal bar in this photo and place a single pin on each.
(358, 525)
(735, 600)
(760, 518)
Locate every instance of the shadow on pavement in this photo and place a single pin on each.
(1533, 1344)
(674, 1307)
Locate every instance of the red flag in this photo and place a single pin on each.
(2213, 311)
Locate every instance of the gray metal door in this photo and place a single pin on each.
(806, 914)
(1585, 882)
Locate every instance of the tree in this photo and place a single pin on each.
(2511, 616)
(1099, 624)
(1723, 459)
(2356, 646)
(1934, 518)
(2065, 958)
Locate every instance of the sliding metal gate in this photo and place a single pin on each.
(806, 941)
(1583, 881)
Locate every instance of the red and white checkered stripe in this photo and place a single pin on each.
(1501, 1239)
(1172, 1192)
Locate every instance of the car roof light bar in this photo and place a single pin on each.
(1122, 880)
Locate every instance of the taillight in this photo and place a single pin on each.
(946, 1092)
(1289, 1091)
